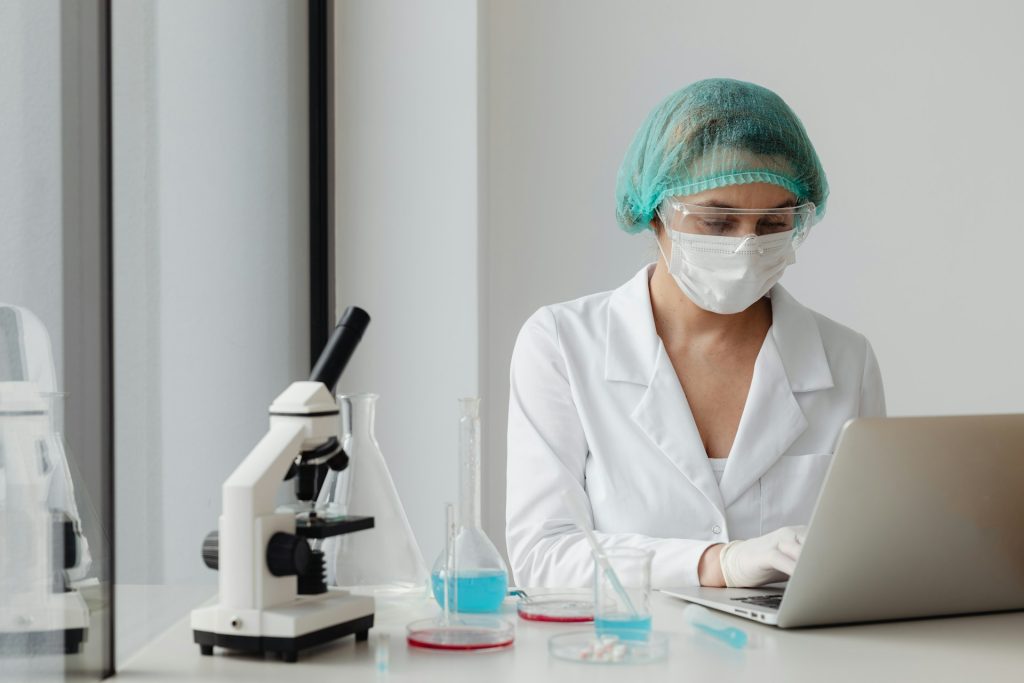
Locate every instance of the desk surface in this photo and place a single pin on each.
(973, 648)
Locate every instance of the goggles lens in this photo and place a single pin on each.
(695, 219)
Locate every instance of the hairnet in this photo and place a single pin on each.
(714, 133)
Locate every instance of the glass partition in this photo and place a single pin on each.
(56, 603)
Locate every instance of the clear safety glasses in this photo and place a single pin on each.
(716, 221)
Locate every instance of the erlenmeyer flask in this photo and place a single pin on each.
(386, 557)
(480, 575)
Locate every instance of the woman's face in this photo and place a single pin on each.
(748, 196)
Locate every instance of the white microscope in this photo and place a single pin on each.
(273, 597)
(39, 543)
(39, 540)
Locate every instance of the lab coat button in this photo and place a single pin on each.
(716, 529)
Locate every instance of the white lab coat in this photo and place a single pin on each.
(597, 409)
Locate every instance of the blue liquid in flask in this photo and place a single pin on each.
(624, 626)
(478, 591)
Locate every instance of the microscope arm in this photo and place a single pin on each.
(251, 489)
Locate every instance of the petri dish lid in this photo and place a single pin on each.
(557, 608)
(461, 633)
(586, 647)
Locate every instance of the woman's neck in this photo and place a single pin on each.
(680, 322)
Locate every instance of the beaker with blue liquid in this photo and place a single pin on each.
(478, 577)
(622, 593)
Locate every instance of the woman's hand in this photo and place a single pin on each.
(761, 560)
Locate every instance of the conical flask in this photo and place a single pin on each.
(385, 558)
(480, 574)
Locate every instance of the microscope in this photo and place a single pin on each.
(40, 611)
(41, 543)
(272, 592)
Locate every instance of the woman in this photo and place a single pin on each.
(694, 410)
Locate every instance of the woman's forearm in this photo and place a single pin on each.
(709, 569)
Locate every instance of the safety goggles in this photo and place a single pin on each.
(714, 221)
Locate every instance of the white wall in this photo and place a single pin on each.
(211, 266)
(406, 231)
(914, 109)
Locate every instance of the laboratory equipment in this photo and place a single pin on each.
(387, 559)
(707, 622)
(727, 274)
(480, 577)
(41, 612)
(382, 653)
(638, 647)
(272, 595)
(556, 608)
(622, 591)
(917, 472)
(464, 632)
(715, 133)
(452, 629)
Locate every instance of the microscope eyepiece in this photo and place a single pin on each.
(340, 346)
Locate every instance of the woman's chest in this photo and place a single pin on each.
(716, 391)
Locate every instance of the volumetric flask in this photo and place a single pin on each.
(479, 576)
(450, 630)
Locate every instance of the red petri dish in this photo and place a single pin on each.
(560, 609)
(461, 634)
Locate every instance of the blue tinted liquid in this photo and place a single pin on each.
(623, 626)
(481, 591)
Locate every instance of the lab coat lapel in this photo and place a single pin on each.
(771, 422)
(635, 354)
(665, 417)
(792, 360)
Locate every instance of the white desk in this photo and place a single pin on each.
(975, 649)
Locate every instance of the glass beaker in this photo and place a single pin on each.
(386, 557)
(480, 574)
(623, 610)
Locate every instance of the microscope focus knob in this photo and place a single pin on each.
(211, 549)
(288, 555)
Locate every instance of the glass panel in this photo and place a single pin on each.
(55, 495)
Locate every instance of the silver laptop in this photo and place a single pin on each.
(918, 517)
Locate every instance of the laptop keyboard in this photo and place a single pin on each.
(771, 601)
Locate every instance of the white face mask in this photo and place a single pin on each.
(728, 274)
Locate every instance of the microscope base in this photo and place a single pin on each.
(286, 648)
(57, 623)
(68, 641)
(286, 630)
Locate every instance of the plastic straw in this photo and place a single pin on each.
(580, 517)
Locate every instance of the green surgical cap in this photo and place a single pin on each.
(714, 133)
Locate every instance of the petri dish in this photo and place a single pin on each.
(557, 608)
(586, 647)
(461, 633)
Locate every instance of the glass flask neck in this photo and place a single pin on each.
(358, 412)
(469, 463)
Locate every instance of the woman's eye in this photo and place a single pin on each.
(717, 226)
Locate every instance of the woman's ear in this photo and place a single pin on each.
(655, 224)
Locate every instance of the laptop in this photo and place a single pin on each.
(917, 517)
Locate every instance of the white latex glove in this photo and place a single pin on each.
(761, 560)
